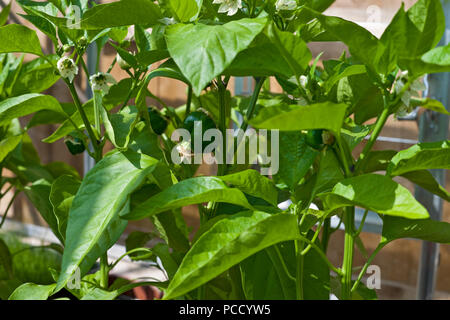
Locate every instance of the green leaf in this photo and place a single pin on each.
(35, 76)
(62, 193)
(121, 13)
(184, 10)
(319, 5)
(27, 104)
(203, 52)
(416, 31)
(7, 145)
(429, 155)
(18, 38)
(361, 43)
(187, 192)
(296, 118)
(227, 243)
(264, 283)
(31, 291)
(4, 14)
(292, 48)
(253, 183)
(434, 105)
(102, 195)
(427, 230)
(377, 193)
(378, 160)
(142, 38)
(39, 195)
(295, 158)
(434, 61)
(6, 259)
(425, 180)
(118, 126)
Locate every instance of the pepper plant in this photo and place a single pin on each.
(248, 246)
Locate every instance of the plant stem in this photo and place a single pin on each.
(104, 270)
(300, 264)
(222, 168)
(252, 104)
(381, 121)
(188, 102)
(372, 256)
(8, 207)
(346, 281)
(326, 234)
(85, 119)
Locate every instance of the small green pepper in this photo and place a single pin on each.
(75, 145)
(158, 122)
(207, 123)
(314, 139)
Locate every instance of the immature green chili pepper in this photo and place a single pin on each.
(314, 139)
(158, 122)
(207, 123)
(75, 145)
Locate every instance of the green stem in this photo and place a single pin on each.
(222, 168)
(346, 280)
(104, 270)
(299, 245)
(326, 234)
(363, 271)
(8, 207)
(361, 226)
(252, 104)
(381, 121)
(188, 102)
(85, 119)
(283, 263)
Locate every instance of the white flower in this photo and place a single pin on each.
(184, 149)
(303, 81)
(100, 81)
(286, 5)
(413, 91)
(67, 68)
(122, 63)
(230, 6)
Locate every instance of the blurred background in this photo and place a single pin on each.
(407, 266)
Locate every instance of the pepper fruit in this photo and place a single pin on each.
(207, 123)
(314, 139)
(75, 145)
(158, 122)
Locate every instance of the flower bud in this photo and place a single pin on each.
(122, 63)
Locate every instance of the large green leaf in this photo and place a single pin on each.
(184, 10)
(31, 291)
(253, 183)
(27, 104)
(61, 196)
(428, 230)
(121, 13)
(295, 158)
(377, 193)
(434, 61)
(39, 194)
(187, 192)
(414, 32)
(362, 44)
(35, 76)
(428, 155)
(204, 51)
(425, 180)
(262, 58)
(9, 144)
(102, 195)
(119, 126)
(227, 243)
(296, 118)
(18, 38)
(292, 48)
